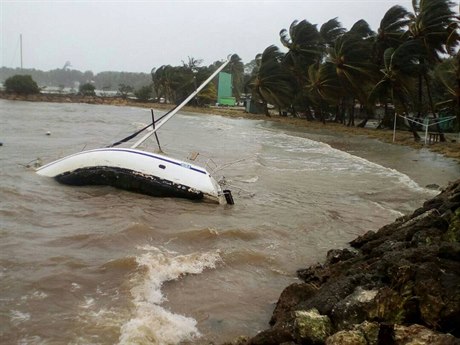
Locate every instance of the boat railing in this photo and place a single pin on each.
(207, 162)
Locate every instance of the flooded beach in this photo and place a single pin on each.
(97, 265)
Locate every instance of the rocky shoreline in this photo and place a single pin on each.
(397, 286)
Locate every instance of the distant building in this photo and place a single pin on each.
(224, 90)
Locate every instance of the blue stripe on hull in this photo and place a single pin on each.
(184, 165)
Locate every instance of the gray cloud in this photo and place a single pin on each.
(138, 35)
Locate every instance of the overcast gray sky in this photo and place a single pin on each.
(135, 36)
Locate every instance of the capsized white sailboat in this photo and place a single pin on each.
(141, 171)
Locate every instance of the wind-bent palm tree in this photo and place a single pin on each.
(271, 81)
(163, 82)
(351, 56)
(432, 25)
(448, 73)
(399, 74)
(174, 83)
(323, 86)
(392, 31)
(304, 44)
(329, 32)
(236, 69)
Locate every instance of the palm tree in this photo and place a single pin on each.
(192, 65)
(448, 74)
(236, 69)
(362, 29)
(392, 31)
(271, 81)
(454, 36)
(323, 86)
(351, 56)
(304, 44)
(432, 24)
(329, 32)
(398, 77)
(162, 82)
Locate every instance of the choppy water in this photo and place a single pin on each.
(96, 265)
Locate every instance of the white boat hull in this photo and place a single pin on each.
(137, 171)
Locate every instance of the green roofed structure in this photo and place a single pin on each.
(224, 90)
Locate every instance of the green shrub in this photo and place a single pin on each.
(21, 84)
(144, 93)
(87, 89)
(124, 90)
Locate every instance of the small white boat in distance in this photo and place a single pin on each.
(140, 171)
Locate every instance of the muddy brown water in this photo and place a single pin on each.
(96, 265)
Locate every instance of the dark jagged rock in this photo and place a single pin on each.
(291, 297)
(393, 286)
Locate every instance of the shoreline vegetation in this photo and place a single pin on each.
(449, 149)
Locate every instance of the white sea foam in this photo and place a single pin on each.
(387, 172)
(32, 340)
(250, 179)
(88, 303)
(323, 157)
(388, 209)
(18, 317)
(74, 287)
(36, 295)
(151, 323)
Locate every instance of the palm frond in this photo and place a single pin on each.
(362, 29)
(395, 19)
(435, 24)
(331, 30)
(446, 72)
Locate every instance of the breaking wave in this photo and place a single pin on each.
(319, 156)
(150, 322)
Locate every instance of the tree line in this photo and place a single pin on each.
(411, 66)
(70, 78)
(175, 83)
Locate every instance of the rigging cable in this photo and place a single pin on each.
(135, 134)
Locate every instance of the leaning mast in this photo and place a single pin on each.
(172, 113)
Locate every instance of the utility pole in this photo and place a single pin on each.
(20, 42)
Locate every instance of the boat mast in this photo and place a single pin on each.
(172, 113)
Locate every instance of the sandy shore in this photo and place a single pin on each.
(450, 149)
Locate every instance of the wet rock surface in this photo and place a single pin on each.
(399, 285)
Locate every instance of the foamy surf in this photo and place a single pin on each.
(389, 172)
(322, 156)
(151, 323)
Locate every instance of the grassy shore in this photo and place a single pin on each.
(450, 148)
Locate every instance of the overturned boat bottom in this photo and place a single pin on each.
(133, 181)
